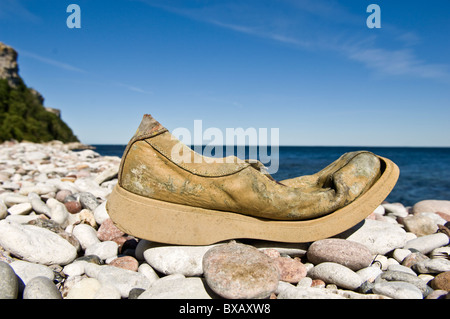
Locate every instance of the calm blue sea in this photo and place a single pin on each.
(424, 172)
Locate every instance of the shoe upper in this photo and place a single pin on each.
(157, 165)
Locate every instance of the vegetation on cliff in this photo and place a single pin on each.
(23, 117)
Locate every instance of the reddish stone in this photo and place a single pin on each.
(108, 231)
(318, 283)
(125, 262)
(271, 252)
(441, 281)
(73, 207)
(413, 259)
(291, 270)
(444, 216)
(62, 194)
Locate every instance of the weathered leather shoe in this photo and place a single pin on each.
(170, 194)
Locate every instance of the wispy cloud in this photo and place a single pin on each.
(58, 64)
(14, 9)
(320, 26)
(133, 88)
(397, 62)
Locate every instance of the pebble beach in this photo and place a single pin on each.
(58, 242)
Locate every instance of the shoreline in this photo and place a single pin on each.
(55, 194)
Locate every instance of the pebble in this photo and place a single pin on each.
(396, 209)
(9, 285)
(369, 273)
(402, 276)
(104, 249)
(3, 209)
(125, 262)
(441, 281)
(43, 246)
(237, 271)
(86, 235)
(426, 244)
(397, 290)
(420, 224)
(186, 260)
(87, 288)
(73, 207)
(27, 271)
(345, 252)
(400, 254)
(178, 288)
(20, 209)
(290, 269)
(378, 236)
(41, 288)
(432, 266)
(432, 206)
(334, 273)
(308, 293)
(123, 280)
(56, 204)
(108, 231)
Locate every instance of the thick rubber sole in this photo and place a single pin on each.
(169, 223)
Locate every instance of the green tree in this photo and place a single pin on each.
(23, 117)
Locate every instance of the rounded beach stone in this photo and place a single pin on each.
(378, 236)
(103, 249)
(426, 244)
(43, 246)
(108, 231)
(405, 277)
(84, 289)
(420, 224)
(350, 254)
(3, 209)
(413, 258)
(73, 207)
(186, 260)
(125, 262)
(432, 266)
(237, 271)
(291, 270)
(9, 285)
(397, 290)
(432, 206)
(333, 273)
(441, 281)
(86, 235)
(41, 288)
(26, 271)
(20, 209)
(62, 194)
(122, 279)
(178, 288)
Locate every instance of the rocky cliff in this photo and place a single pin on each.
(9, 69)
(22, 113)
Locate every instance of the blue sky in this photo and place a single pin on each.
(311, 68)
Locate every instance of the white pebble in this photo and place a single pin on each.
(20, 209)
(333, 273)
(86, 235)
(426, 244)
(104, 249)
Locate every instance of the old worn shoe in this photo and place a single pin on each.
(170, 194)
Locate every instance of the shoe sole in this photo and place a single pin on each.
(169, 223)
